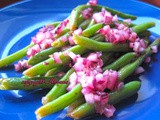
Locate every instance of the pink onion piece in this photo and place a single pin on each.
(154, 49)
(139, 70)
(56, 57)
(64, 39)
(17, 67)
(42, 40)
(105, 30)
(109, 110)
(71, 42)
(138, 45)
(45, 63)
(148, 60)
(60, 74)
(78, 31)
(129, 21)
(22, 64)
(92, 2)
(73, 81)
(87, 13)
(104, 17)
(120, 85)
(61, 26)
(98, 17)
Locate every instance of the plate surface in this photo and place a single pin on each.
(22, 20)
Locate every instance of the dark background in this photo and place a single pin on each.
(4, 3)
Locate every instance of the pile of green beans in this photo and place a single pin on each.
(41, 76)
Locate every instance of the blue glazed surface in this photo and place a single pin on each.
(21, 21)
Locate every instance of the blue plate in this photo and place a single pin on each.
(20, 21)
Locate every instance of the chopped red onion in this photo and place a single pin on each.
(87, 13)
(78, 31)
(92, 2)
(40, 37)
(98, 17)
(139, 70)
(73, 81)
(61, 26)
(106, 29)
(129, 21)
(17, 67)
(71, 42)
(72, 55)
(22, 64)
(42, 40)
(64, 38)
(115, 18)
(154, 49)
(56, 57)
(120, 85)
(133, 37)
(109, 110)
(88, 73)
(112, 78)
(60, 74)
(45, 63)
(148, 60)
(138, 45)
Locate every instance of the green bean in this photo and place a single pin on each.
(87, 32)
(143, 27)
(130, 68)
(115, 12)
(19, 54)
(111, 58)
(14, 57)
(120, 62)
(141, 33)
(82, 111)
(97, 37)
(40, 69)
(114, 97)
(80, 20)
(53, 71)
(42, 55)
(28, 83)
(74, 17)
(84, 24)
(52, 102)
(128, 90)
(92, 22)
(100, 46)
(55, 24)
(90, 31)
(125, 23)
(60, 103)
(75, 104)
(77, 11)
(144, 34)
(57, 90)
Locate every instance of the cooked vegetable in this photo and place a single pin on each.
(84, 60)
(114, 97)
